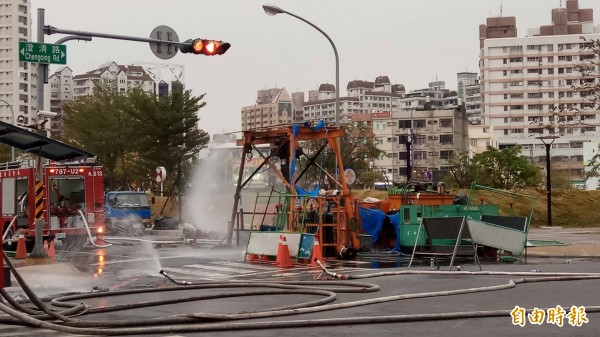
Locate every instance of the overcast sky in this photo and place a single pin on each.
(411, 41)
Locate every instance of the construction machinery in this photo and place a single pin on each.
(331, 215)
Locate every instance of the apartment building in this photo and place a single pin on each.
(435, 96)
(525, 81)
(18, 87)
(362, 97)
(273, 107)
(469, 93)
(125, 77)
(436, 136)
(61, 92)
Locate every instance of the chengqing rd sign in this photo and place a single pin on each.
(42, 52)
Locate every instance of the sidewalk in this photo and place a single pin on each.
(579, 242)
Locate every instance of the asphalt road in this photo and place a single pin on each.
(136, 267)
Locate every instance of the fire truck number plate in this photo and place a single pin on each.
(67, 171)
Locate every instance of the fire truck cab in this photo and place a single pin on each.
(72, 200)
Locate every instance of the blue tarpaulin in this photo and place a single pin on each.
(372, 222)
(296, 128)
(395, 220)
(303, 193)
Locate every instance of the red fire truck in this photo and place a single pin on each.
(71, 192)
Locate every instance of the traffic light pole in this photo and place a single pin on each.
(49, 30)
(42, 77)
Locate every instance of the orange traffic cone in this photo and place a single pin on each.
(21, 249)
(51, 250)
(284, 260)
(317, 252)
(46, 247)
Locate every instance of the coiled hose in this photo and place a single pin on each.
(205, 322)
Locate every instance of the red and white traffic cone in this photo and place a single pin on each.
(284, 260)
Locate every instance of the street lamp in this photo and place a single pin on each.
(13, 123)
(547, 141)
(273, 10)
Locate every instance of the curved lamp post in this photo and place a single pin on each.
(13, 123)
(273, 10)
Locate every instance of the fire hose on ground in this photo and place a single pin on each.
(64, 321)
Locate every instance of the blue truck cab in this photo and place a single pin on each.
(127, 212)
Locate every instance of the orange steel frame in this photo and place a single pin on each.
(280, 135)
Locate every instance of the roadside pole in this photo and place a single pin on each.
(38, 247)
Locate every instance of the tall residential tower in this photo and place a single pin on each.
(17, 79)
(525, 81)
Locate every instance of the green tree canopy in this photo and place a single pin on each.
(133, 134)
(506, 169)
(357, 146)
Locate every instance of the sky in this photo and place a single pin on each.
(413, 42)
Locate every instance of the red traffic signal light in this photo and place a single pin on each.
(205, 47)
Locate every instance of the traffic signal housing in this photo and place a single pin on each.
(205, 47)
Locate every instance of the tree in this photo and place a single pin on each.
(168, 133)
(357, 147)
(100, 125)
(5, 153)
(464, 170)
(133, 134)
(506, 168)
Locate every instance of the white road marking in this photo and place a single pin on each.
(217, 268)
(193, 272)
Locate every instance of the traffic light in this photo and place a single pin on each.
(205, 47)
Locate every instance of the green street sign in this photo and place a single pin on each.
(42, 52)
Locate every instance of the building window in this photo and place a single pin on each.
(446, 154)
(418, 123)
(446, 139)
(517, 131)
(419, 139)
(419, 155)
(405, 124)
(445, 122)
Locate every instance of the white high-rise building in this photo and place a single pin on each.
(526, 80)
(17, 79)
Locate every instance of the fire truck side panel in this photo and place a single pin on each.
(71, 189)
(98, 196)
(17, 197)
